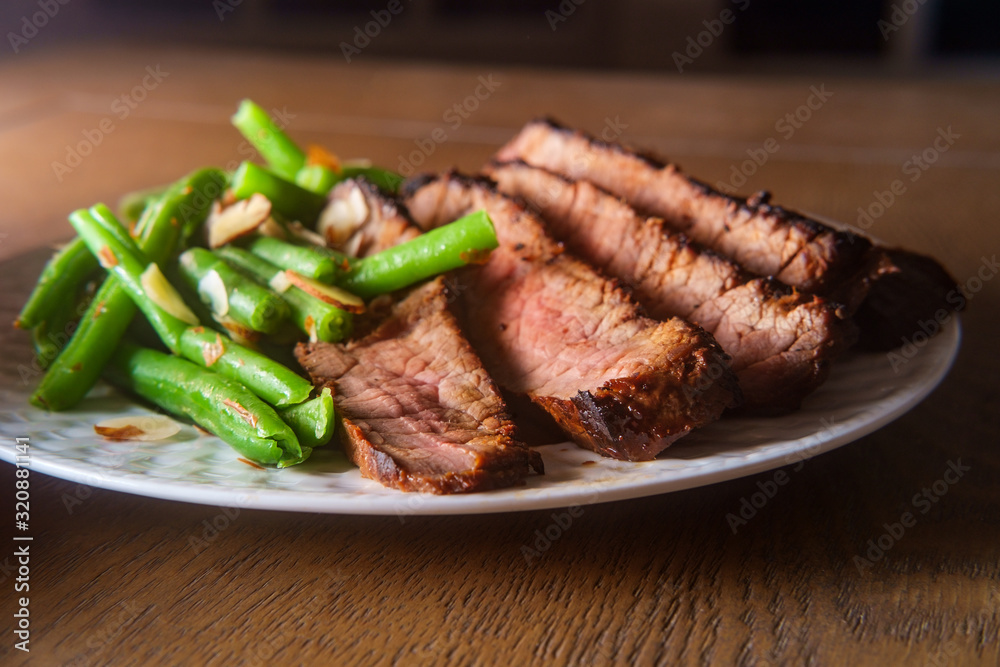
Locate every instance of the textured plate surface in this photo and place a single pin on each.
(864, 392)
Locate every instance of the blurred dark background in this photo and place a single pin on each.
(664, 35)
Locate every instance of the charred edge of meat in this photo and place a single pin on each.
(414, 183)
(907, 289)
(682, 239)
(375, 193)
(381, 467)
(849, 248)
(634, 419)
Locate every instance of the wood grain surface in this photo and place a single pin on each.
(117, 580)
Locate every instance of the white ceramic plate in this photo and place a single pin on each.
(864, 392)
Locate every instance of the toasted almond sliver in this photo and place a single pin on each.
(159, 290)
(242, 412)
(343, 215)
(213, 290)
(137, 427)
(280, 282)
(211, 352)
(330, 294)
(236, 220)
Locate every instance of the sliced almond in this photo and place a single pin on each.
(211, 352)
(212, 290)
(344, 214)
(162, 293)
(272, 228)
(303, 233)
(241, 334)
(137, 427)
(280, 282)
(236, 220)
(330, 294)
(107, 257)
(242, 412)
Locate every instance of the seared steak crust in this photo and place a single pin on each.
(419, 411)
(360, 220)
(766, 240)
(781, 341)
(549, 326)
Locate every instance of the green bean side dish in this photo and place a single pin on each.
(206, 366)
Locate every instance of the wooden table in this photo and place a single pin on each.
(654, 580)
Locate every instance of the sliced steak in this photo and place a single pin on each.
(781, 341)
(766, 240)
(419, 411)
(360, 220)
(551, 327)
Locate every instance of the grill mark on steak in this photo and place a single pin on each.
(781, 341)
(765, 239)
(549, 326)
(419, 411)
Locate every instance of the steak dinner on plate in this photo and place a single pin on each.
(575, 289)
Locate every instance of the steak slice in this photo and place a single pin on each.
(419, 411)
(360, 220)
(766, 240)
(781, 341)
(551, 327)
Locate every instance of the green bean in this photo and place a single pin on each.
(317, 178)
(280, 152)
(51, 334)
(316, 262)
(60, 278)
(313, 420)
(448, 247)
(131, 205)
(126, 263)
(218, 404)
(320, 179)
(268, 379)
(287, 198)
(320, 320)
(78, 366)
(247, 302)
(383, 179)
